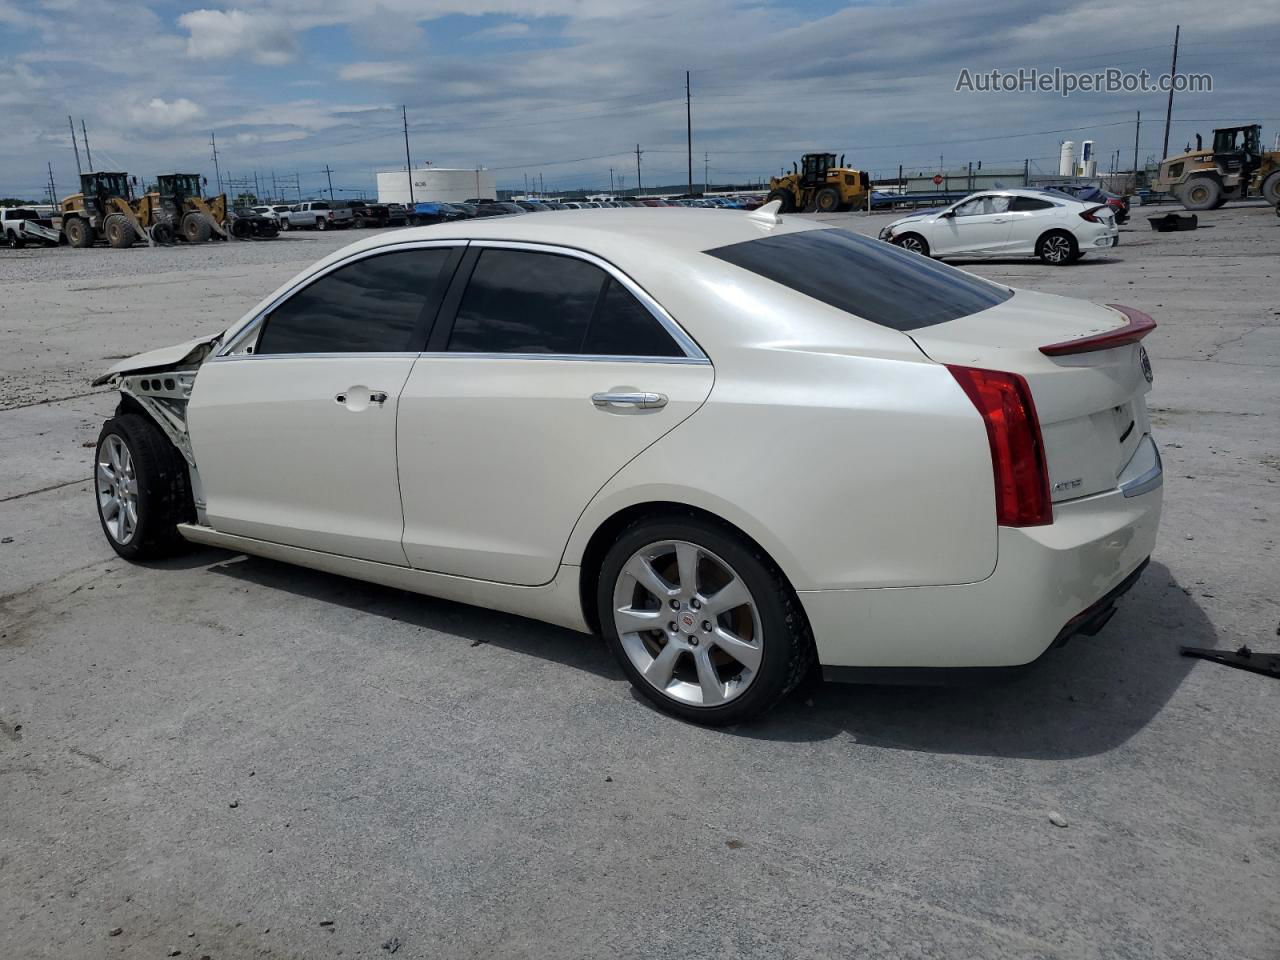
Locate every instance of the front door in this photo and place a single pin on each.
(294, 432)
(979, 225)
(554, 372)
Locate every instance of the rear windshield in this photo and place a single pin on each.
(867, 278)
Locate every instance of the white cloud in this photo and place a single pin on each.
(224, 34)
(159, 114)
(505, 31)
(379, 71)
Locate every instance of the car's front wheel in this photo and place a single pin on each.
(142, 488)
(913, 242)
(1057, 248)
(701, 620)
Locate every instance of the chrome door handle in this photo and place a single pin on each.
(648, 401)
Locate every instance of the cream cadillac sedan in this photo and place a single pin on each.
(732, 444)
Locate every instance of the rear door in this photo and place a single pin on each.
(294, 425)
(1091, 405)
(548, 372)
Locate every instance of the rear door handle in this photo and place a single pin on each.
(359, 397)
(646, 400)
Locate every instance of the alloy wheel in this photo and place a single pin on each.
(1057, 249)
(688, 623)
(117, 489)
(913, 244)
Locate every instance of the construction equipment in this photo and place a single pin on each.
(820, 184)
(104, 207)
(1206, 179)
(186, 212)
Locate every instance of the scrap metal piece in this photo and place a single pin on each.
(1267, 664)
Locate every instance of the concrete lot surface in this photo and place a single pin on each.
(235, 758)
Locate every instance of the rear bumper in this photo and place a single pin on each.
(1049, 582)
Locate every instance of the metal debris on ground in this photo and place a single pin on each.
(1267, 664)
(1057, 819)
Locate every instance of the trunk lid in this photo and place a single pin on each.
(1091, 405)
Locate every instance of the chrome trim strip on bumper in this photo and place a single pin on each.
(1148, 480)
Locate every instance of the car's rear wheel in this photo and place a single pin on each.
(142, 488)
(284, 225)
(322, 223)
(1057, 248)
(913, 242)
(701, 620)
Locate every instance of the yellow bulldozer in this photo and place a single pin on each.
(106, 208)
(820, 184)
(1206, 179)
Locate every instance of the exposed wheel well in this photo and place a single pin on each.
(607, 533)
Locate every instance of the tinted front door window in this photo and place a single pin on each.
(377, 305)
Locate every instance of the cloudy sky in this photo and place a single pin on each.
(563, 89)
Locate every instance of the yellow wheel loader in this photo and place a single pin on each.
(186, 212)
(821, 185)
(1206, 179)
(103, 209)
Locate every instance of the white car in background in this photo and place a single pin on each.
(275, 211)
(1008, 223)
(732, 445)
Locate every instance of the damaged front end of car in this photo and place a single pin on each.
(158, 384)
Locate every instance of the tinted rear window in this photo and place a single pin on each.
(868, 278)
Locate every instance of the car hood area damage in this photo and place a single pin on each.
(189, 354)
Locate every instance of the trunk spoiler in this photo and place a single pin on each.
(1139, 326)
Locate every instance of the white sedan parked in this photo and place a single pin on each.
(732, 445)
(1008, 223)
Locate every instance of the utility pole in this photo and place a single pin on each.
(213, 142)
(53, 191)
(1137, 129)
(257, 187)
(87, 154)
(74, 145)
(408, 164)
(542, 185)
(611, 187)
(1173, 72)
(688, 121)
(638, 186)
(297, 184)
(275, 191)
(706, 171)
(329, 176)
(526, 185)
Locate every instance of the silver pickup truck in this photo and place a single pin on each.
(315, 215)
(21, 224)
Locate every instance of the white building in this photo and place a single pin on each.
(436, 183)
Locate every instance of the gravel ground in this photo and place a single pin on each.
(231, 757)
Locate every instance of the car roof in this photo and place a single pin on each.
(618, 234)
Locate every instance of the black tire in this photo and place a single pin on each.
(827, 200)
(1270, 188)
(162, 232)
(163, 489)
(358, 223)
(1057, 248)
(788, 648)
(788, 201)
(1201, 193)
(79, 232)
(284, 225)
(15, 241)
(322, 223)
(913, 242)
(119, 232)
(196, 228)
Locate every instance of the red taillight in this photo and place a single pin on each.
(330, 214)
(1139, 326)
(1017, 450)
(1089, 214)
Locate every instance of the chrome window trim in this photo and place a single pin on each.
(685, 342)
(592, 358)
(236, 336)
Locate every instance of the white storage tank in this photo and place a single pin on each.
(436, 183)
(1088, 162)
(1067, 159)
